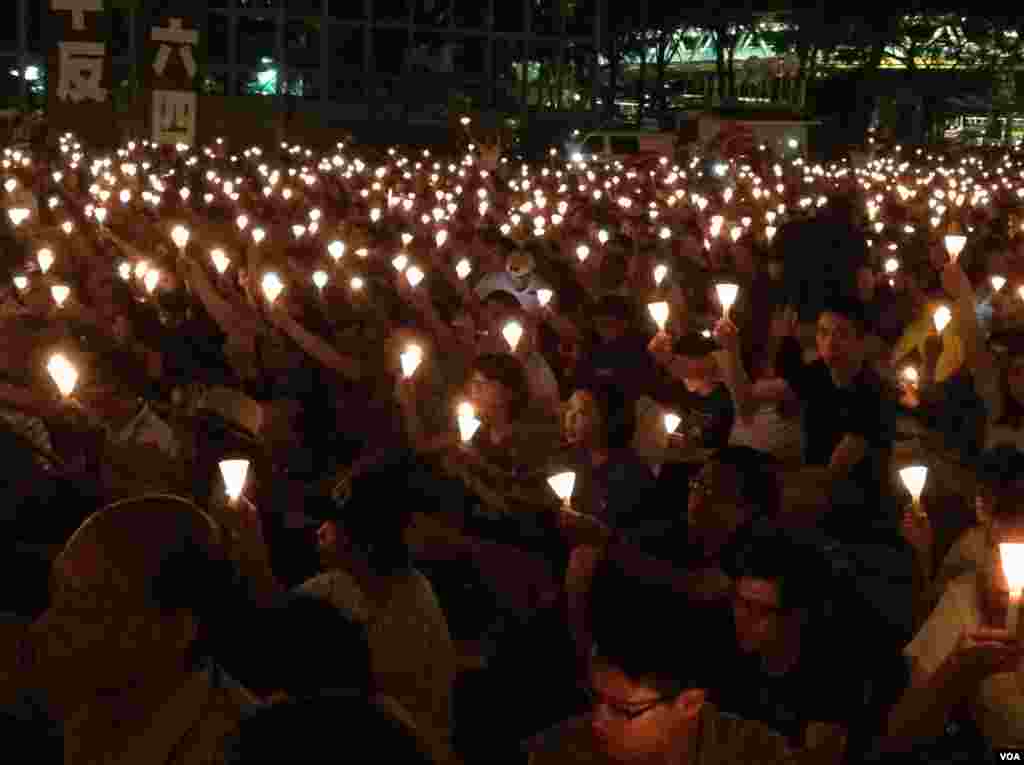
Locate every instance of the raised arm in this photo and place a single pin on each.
(316, 347)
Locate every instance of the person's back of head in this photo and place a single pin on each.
(350, 726)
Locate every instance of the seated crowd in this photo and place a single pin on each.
(407, 351)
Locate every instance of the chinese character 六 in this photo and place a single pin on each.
(175, 35)
(81, 70)
(78, 10)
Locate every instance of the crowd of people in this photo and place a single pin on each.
(571, 463)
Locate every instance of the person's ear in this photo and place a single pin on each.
(690, 702)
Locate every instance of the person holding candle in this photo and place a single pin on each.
(963, 658)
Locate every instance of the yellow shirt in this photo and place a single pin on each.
(952, 356)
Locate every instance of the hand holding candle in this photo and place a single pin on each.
(234, 473)
(727, 294)
(64, 374)
(659, 312)
(1012, 557)
(468, 422)
(563, 484)
(914, 479)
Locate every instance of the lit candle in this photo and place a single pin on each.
(660, 272)
(242, 221)
(415, 275)
(180, 235)
(659, 312)
(513, 333)
(998, 282)
(220, 260)
(914, 479)
(401, 262)
(45, 258)
(64, 374)
(411, 360)
(234, 473)
(320, 279)
(602, 236)
(672, 422)
(336, 250)
(468, 422)
(727, 294)
(463, 269)
(258, 235)
(941, 318)
(101, 215)
(67, 227)
(141, 268)
(440, 238)
(955, 244)
(21, 282)
(563, 484)
(151, 280)
(60, 293)
(544, 297)
(1012, 557)
(124, 270)
(272, 286)
(18, 215)
(911, 376)
(582, 252)
(356, 283)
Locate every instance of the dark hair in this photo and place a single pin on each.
(270, 734)
(508, 371)
(617, 413)
(647, 631)
(614, 307)
(504, 299)
(848, 307)
(758, 482)
(772, 554)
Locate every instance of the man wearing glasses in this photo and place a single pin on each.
(647, 695)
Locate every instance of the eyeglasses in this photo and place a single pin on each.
(625, 712)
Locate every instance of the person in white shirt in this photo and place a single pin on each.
(519, 279)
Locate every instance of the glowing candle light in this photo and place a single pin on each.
(234, 473)
(180, 236)
(374, 214)
(272, 287)
(727, 294)
(914, 479)
(463, 269)
(892, 265)
(411, 360)
(336, 250)
(563, 484)
(659, 312)
(582, 252)
(151, 280)
(544, 297)
(242, 221)
(468, 423)
(45, 258)
(258, 235)
(941, 318)
(220, 260)
(911, 376)
(63, 373)
(660, 272)
(672, 422)
(1011, 556)
(955, 244)
(67, 227)
(414, 275)
(513, 333)
(21, 282)
(60, 293)
(356, 283)
(998, 282)
(400, 263)
(125, 196)
(18, 215)
(440, 238)
(602, 237)
(141, 268)
(298, 231)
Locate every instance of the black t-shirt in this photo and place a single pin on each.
(863, 409)
(816, 689)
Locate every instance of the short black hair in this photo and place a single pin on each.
(775, 555)
(849, 307)
(649, 632)
(509, 371)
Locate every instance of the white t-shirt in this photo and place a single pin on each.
(502, 280)
(999, 704)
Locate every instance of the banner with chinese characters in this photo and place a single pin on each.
(79, 63)
(170, 71)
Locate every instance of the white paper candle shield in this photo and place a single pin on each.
(356, 283)
(64, 374)
(320, 279)
(660, 272)
(659, 312)
(440, 238)
(258, 235)
(45, 259)
(272, 287)
(400, 263)
(513, 333)
(941, 318)
(411, 360)
(1012, 557)
(336, 250)
(892, 266)
(60, 293)
(234, 473)
(672, 422)
(124, 270)
(21, 282)
(18, 215)
(242, 221)
(141, 268)
(955, 244)
(415, 275)
(563, 484)
(151, 280)
(544, 296)
(220, 260)
(727, 294)
(911, 376)
(463, 269)
(582, 252)
(998, 282)
(914, 478)
(468, 422)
